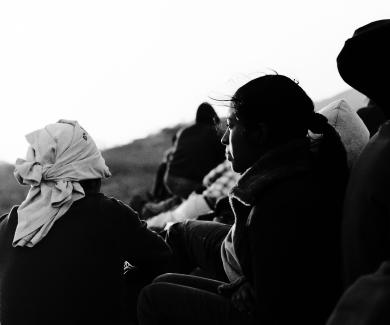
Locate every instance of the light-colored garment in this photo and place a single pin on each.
(189, 209)
(219, 182)
(230, 261)
(353, 133)
(60, 155)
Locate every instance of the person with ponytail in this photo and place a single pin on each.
(281, 257)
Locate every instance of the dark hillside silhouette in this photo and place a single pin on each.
(133, 166)
(10, 191)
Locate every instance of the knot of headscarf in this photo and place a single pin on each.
(60, 155)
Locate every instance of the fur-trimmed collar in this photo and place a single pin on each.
(283, 162)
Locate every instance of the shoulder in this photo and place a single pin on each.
(10, 214)
(296, 193)
(9, 220)
(118, 213)
(186, 130)
(115, 205)
(292, 188)
(3, 217)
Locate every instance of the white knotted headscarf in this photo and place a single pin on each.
(60, 155)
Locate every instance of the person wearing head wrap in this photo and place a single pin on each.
(63, 250)
(58, 158)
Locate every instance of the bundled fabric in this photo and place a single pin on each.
(353, 133)
(219, 181)
(60, 155)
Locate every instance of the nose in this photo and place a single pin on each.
(225, 138)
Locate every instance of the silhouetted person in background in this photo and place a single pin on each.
(281, 257)
(372, 116)
(160, 191)
(361, 63)
(197, 150)
(364, 63)
(63, 250)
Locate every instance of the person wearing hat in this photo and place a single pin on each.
(362, 63)
(63, 250)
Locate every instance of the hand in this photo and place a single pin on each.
(244, 298)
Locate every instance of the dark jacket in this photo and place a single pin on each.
(75, 274)
(198, 149)
(366, 223)
(288, 217)
(366, 302)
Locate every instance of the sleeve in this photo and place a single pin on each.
(142, 247)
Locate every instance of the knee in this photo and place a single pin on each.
(167, 277)
(175, 233)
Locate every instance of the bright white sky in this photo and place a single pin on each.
(125, 69)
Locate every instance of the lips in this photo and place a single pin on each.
(228, 156)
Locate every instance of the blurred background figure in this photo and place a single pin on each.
(197, 150)
(218, 182)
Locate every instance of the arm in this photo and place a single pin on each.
(279, 257)
(141, 246)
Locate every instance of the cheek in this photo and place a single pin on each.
(236, 143)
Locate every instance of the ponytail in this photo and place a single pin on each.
(332, 156)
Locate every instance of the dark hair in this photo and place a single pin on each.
(206, 115)
(282, 105)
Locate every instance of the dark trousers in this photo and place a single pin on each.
(186, 299)
(197, 244)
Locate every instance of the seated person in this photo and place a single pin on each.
(63, 250)
(218, 183)
(281, 257)
(197, 150)
(362, 62)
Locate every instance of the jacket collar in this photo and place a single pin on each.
(277, 165)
